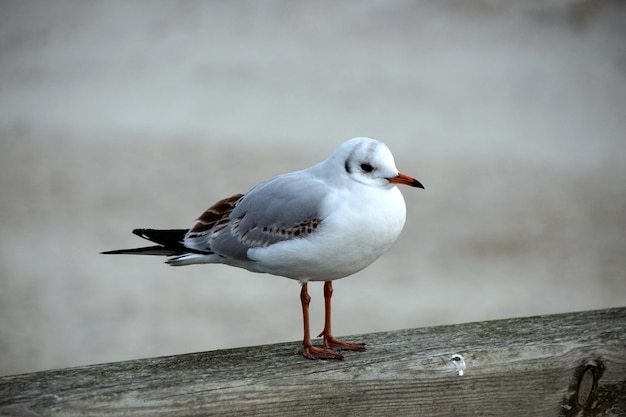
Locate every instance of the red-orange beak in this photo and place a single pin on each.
(406, 180)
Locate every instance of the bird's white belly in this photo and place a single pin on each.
(349, 239)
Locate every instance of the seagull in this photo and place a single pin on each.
(322, 223)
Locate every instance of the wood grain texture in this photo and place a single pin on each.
(558, 365)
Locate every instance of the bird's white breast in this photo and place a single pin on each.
(357, 227)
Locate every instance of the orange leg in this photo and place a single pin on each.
(329, 341)
(310, 351)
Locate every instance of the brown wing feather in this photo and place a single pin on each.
(214, 215)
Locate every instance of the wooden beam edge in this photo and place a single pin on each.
(540, 361)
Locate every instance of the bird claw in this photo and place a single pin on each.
(331, 343)
(314, 352)
(331, 350)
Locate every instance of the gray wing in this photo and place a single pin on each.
(282, 208)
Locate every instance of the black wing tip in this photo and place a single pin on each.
(112, 252)
(140, 232)
(117, 252)
(157, 250)
(169, 243)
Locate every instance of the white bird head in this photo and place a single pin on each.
(369, 162)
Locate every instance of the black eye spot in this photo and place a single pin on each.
(367, 167)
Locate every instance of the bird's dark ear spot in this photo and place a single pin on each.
(346, 165)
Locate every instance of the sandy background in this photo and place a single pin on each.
(115, 115)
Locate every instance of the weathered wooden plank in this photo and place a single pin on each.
(518, 367)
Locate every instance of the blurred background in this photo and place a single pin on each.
(116, 115)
